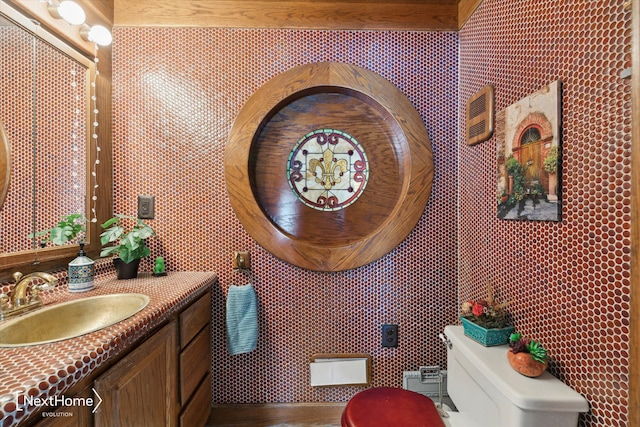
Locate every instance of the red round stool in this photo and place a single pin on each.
(390, 407)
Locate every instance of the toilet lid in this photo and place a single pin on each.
(389, 406)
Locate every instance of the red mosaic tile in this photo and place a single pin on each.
(569, 281)
(176, 94)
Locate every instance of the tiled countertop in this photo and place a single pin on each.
(51, 369)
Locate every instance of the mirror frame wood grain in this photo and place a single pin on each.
(5, 164)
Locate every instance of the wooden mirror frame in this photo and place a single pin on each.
(5, 164)
(414, 157)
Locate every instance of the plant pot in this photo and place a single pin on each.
(126, 270)
(553, 183)
(486, 337)
(525, 364)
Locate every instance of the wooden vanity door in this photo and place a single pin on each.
(141, 389)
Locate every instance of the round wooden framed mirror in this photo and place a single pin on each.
(328, 166)
(5, 164)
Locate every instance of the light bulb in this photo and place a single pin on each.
(100, 35)
(71, 12)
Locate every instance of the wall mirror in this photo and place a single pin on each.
(45, 107)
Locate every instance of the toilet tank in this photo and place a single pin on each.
(485, 388)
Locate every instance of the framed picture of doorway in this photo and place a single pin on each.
(528, 141)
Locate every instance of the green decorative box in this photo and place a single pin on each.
(486, 337)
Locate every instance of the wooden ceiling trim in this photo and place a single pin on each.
(101, 9)
(465, 10)
(293, 14)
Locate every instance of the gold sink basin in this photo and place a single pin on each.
(70, 319)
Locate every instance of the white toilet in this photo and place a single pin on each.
(486, 391)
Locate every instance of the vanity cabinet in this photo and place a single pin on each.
(141, 386)
(164, 381)
(195, 363)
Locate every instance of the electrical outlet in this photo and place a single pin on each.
(389, 335)
(146, 207)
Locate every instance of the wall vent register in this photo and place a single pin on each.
(480, 112)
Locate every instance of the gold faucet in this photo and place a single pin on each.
(19, 302)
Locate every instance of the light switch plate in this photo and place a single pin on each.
(146, 207)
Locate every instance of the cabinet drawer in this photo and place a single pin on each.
(195, 363)
(197, 411)
(194, 318)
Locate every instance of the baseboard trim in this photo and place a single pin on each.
(271, 414)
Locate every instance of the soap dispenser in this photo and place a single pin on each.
(81, 272)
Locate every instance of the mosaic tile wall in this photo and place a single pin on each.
(16, 114)
(59, 168)
(569, 281)
(176, 94)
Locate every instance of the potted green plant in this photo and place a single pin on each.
(539, 189)
(66, 230)
(512, 165)
(516, 180)
(69, 229)
(503, 197)
(526, 356)
(486, 321)
(129, 234)
(551, 161)
(550, 164)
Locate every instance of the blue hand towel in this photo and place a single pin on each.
(242, 319)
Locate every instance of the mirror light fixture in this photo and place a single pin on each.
(97, 34)
(73, 13)
(68, 10)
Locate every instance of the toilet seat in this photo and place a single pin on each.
(390, 406)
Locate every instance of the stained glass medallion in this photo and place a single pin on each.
(327, 169)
